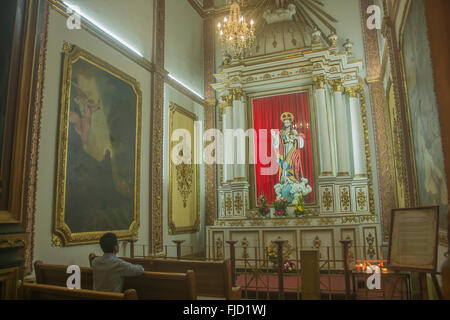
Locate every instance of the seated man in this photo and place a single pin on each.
(109, 271)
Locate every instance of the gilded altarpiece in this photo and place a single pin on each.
(184, 174)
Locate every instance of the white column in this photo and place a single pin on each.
(239, 140)
(342, 132)
(359, 158)
(228, 150)
(326, 168)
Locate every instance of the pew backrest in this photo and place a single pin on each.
(213, 279)
(163, 286)
(56, 275)
(32, 291)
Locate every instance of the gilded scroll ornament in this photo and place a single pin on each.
(245, 244)
(219, 248)
(345, 199)
(370, 239)
(361, 199)
(185, 174)
(238, 203)
(327, 199)
(229, 204)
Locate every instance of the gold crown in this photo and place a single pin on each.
(287, 116)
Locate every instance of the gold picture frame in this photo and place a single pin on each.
(112, 87)
(180, 180)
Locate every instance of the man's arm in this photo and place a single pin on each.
(130, 270)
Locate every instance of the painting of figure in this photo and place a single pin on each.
(98, 151)
(418, 72)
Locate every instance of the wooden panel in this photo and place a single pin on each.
(310, 274)
(8, 283)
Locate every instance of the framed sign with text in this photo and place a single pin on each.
(414, 239)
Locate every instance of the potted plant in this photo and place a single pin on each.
(263, 206)
(272, 255)
(299, 210)
(280, 206)
(288, 266)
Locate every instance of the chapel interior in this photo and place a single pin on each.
(239, 149)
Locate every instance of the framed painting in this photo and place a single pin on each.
(98, 165)
(286, 167)
(184, 174)
(414, 239)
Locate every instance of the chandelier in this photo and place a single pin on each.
(235, 33)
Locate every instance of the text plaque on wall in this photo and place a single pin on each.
(414, 238)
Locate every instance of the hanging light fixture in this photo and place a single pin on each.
(235, 33)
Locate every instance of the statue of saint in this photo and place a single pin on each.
(288, 143)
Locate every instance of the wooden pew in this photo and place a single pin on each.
(163, 286)
(213, 279)
(32, 291)
(151, 285)
(52, 274)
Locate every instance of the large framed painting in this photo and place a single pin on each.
(98, 173)
(184, 173)
(413, 244)
(284, 166)
(424, 114)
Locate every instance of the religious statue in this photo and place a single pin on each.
(288, 143)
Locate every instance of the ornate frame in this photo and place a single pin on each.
(435, 212)
(62, 235)
(173, 229)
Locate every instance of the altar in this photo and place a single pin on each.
(296, 129)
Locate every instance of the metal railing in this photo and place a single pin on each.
(262, 276)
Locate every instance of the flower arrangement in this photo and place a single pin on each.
(300, 207)
(288, 266)
(272, 254)
(263, 207)
(280, 206)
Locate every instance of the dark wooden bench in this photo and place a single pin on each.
(151, 285)
(33, 291)
(213, 279)
(163, 286)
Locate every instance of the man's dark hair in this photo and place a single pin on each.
(108, 241)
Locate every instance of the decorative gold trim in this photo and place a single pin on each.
(61, 230)
(13, 241)
(172, 228)
(336, 85)
(362, 97)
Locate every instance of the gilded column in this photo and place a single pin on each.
(210, 111)
(342, 132)
(326, 168)
(157, 121)
(358, 150)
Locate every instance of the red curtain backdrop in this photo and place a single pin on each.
(266, 115)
